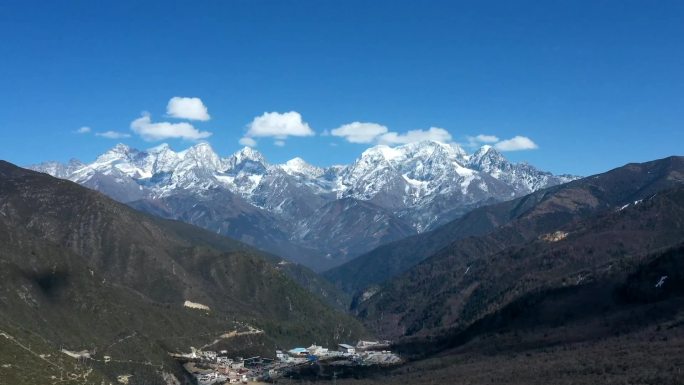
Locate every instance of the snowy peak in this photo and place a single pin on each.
(298, 166)
(58, 169)
(248, 153)
(201, 156)
(489, 160)
(424, 150)
(522, 177)
(430, 148)
(484, 150)
(120, 159)
(161, 159)
(118, 152)
(421, 180)
(407, 174)
(381, 152)
(246, 160)
(121, 148)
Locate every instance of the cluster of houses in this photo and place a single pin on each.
(315, 352)
(211, 367)
(217, 368)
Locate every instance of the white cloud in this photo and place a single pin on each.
(280, 126)
(364, 132)
(83, 130)
(149, 131)
(249, 142)
(359, 132)
(187, 108)
(113, 134)
(486, 138)
(477, 141)
(516, 143)
(279, 143)
(412, 136)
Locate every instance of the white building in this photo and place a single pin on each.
(317, 350)
(344, 348)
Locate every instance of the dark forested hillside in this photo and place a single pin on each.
(534, 214)
(478, 277)
(83, 272)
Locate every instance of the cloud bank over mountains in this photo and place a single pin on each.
(280, 126)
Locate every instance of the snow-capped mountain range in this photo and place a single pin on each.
(317, 216)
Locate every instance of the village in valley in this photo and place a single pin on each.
(210, 367)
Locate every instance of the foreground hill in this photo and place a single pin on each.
(83, 272)
(473, 279)
(599, 299)
(622, 329)
(532, 215)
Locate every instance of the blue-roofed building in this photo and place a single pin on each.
(298, 352)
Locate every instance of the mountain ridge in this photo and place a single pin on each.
(573, 229)
(418, 186)
(570, 200)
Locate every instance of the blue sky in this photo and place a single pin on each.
(591, 84)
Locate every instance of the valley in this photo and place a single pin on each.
(589, 265)
(341, 192)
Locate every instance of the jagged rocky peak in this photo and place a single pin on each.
(484, 150)
(522, 176)
(203, 156)
(247, 160)
(248, 153)
(487, 158)
(120, 151)
(161, 159)
(120, 158)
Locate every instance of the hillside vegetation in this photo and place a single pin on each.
(83, 272)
